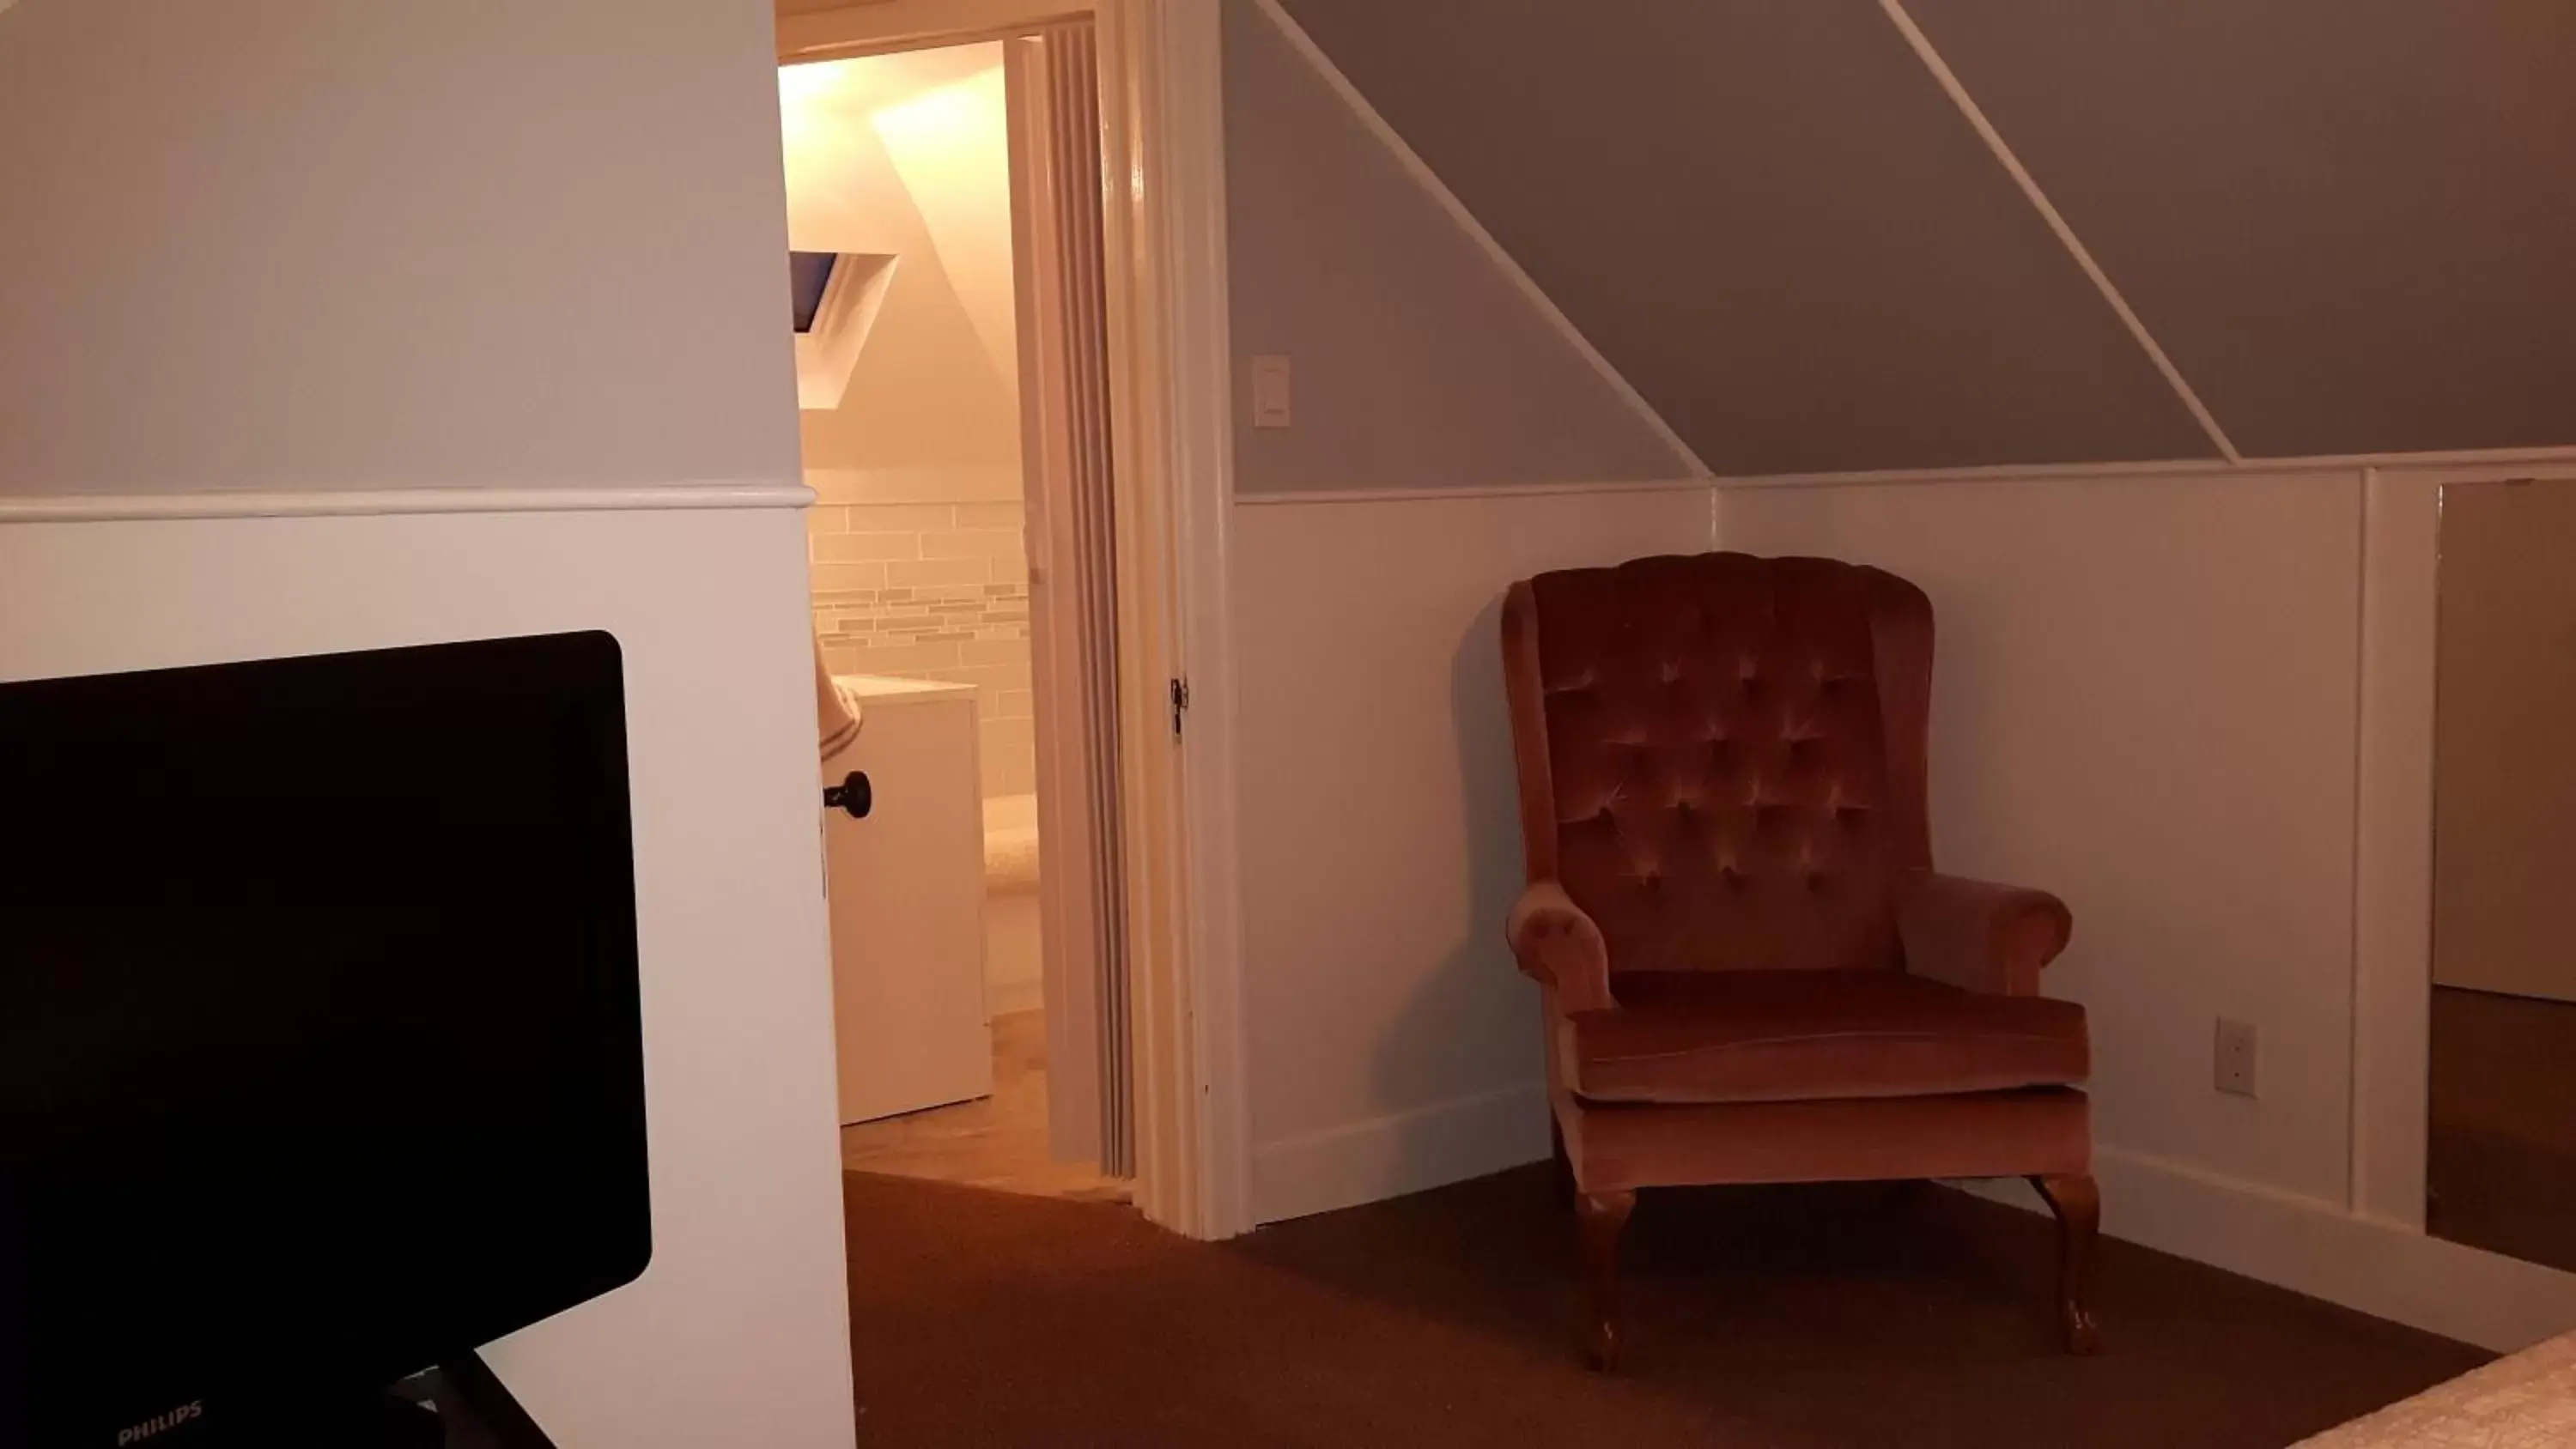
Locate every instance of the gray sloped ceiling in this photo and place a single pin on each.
(1769, 218)
(1418, 362)
(2351, 223)
(2348, 222)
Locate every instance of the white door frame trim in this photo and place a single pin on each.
(2393, 847)
(874, 27)
(1163, 116)
(1162, 71)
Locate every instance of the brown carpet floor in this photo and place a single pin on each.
(1803, 1318)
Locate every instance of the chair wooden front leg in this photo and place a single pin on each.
(2078, 1205)
(1602, 1217)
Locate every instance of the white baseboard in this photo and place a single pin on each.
(2316, 1247)
(2308, 1245)
(1399, 1153)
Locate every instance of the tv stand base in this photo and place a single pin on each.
(458, 1405)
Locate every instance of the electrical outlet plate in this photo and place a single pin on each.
(1270, 392)
(2234, 1058)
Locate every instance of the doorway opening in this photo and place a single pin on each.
(948, 296)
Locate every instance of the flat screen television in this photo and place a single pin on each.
(320, 1048)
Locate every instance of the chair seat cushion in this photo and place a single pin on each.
(1782, 1036)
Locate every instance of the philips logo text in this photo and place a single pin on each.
(161, 1424)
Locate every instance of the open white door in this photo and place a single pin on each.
(1052, 80)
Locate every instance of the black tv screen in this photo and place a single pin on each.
(320, 1052)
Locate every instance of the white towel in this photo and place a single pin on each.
(836, 715)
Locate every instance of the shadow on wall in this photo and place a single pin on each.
(1460, 1007)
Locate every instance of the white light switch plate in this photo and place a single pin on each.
(1270, 392)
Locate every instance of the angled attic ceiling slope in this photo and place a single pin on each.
(1440, 365)
(2344, 221)
(2350, 222)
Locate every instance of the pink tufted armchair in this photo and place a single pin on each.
(1751, 972)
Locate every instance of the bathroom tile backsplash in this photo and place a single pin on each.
(934, 591)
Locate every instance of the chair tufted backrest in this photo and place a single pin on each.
(1722, 757)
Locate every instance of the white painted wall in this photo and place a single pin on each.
(906, 155)
(2155, 695)
(2143, 700)
(951, 145)
(1393, 1044)
(306, 245)
(2150, 697)
(920, 564)
(311, 244)
(1450, 435)
(740, 1327)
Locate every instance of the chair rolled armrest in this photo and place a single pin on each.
(1560, 946)
(1979, 936)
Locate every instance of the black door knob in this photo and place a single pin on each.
(854, 795)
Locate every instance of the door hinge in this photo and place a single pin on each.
(1180, 703)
